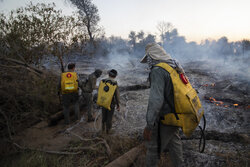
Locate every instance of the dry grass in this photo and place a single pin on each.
(94, 157)
(26, 97)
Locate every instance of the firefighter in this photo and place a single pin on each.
(160, 137)
(68, 88)
(88, 90)
(108, 98)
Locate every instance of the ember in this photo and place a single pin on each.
(220, 103)
(206, 85)
(236, 105)
(217, 103)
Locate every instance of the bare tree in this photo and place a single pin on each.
(89, 16)
(164, 27)
(140, 35)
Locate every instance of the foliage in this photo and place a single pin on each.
(138, 41)
(32, 32)
(28, 36)
(26, 98)
(88, 17)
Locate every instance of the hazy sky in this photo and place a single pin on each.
(195, 19)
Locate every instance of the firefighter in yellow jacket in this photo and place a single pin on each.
(68, 88)
(160, 137)
(108, 97)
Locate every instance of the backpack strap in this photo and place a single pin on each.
(169, 69)
(109, 81)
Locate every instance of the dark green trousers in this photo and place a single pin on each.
(107, 118)
(67, 101)
(89, 101)
(164, 138)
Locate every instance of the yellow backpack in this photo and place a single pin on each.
(69, 82)
(106, 92)
(187, 104)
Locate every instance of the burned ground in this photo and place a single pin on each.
(225, 99)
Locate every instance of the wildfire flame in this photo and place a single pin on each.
(236, 105)
(220, 103)
(217, 103)
(206, 85)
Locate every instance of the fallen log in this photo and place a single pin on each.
(220, 136)
(54, 119)
(128, 158)
(134, 87)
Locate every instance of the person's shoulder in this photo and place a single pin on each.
(115, 82)
(91, 75)
(156, 70)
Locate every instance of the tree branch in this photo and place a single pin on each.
(7, 124)
(28, 67)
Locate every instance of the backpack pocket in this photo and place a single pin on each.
(195, 103)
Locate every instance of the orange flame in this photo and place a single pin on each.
(220, 103)
(217, 103)
(212, 84)
(212, 99)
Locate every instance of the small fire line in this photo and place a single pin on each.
(220, 103)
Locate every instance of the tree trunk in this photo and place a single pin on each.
(128, 158)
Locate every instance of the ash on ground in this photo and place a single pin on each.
(225, 97)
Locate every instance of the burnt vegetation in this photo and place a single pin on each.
(30, 36)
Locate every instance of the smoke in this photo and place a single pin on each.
(130, 70)
(221, 57)
(228, 58)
